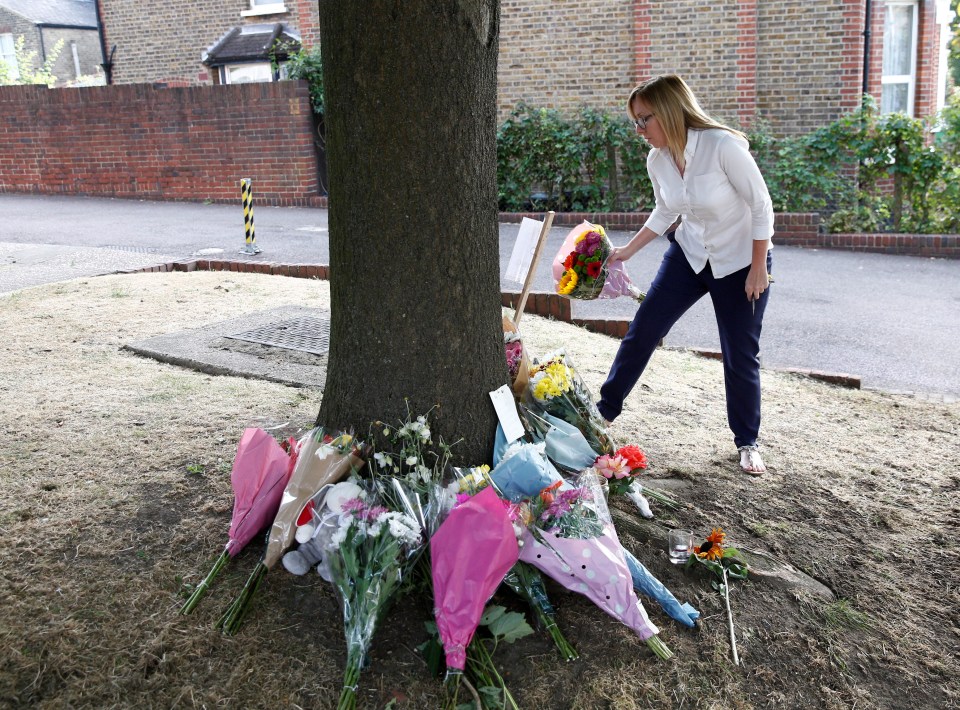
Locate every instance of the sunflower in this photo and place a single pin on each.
(568, 282)
(712, 548)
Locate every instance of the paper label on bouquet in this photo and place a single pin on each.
(506, 408)
(523, 250)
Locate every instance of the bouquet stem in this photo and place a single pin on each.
(567, 652)
(659, 648)
(733, 636)
(201, 588)
(483, 668)
(351, 679)
(233, 617)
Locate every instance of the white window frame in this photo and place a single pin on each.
(264, 7)
(10, 56)
(225, 72)
(909, 79)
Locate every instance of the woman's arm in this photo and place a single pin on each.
(638, 242)
(757, 278)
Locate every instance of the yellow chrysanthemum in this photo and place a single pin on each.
(546, 389)
(560, 374)
(568, 282)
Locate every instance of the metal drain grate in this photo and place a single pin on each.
(307, 334)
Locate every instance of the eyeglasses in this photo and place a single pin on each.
(641, 123)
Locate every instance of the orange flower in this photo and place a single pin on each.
(712, 548)
(546, 495)
(568, 262)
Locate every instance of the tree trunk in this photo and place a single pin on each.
(414, 243)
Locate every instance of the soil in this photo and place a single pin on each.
(115, 471)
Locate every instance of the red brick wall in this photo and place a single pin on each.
(138, 141)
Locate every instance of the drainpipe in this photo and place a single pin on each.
(866, 49)
(107, 63)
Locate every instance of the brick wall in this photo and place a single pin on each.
(139, 141)
(565, 54)
(164, 41)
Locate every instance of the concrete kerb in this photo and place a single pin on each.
(547, 305)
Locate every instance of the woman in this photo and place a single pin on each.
(703, 174)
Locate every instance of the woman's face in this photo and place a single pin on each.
(652, 132)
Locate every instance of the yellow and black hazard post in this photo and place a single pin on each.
(246, 197)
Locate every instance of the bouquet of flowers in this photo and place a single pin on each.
(570, 537)
(322, 459)
(581, 268)
(260, 473)
(622, 470)
(518, 364)
(724, 563)
(368, 554)
(557, 388)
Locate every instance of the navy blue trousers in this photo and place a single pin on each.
(674, 290)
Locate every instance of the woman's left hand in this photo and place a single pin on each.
(757, 282)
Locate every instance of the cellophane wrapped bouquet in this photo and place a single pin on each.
(369, 551)
(556, 388)
(582, 268)
(570, 537)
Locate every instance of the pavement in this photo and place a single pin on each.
(893, 321)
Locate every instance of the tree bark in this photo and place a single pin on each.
(414, 242)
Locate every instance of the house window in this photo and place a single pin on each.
(264, 7)
(899, 58)
(8, 55)
(247, 73)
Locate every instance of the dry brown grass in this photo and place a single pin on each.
(115, 472)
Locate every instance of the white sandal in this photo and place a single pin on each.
(750, 461)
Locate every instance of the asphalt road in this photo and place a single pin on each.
(892, 320)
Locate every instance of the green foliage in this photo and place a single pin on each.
(868, 171)
(592, 162)
(307, 64)
(26, 61)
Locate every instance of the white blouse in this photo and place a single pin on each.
(721, 196)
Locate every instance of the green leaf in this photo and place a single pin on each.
(491, 614)
(509, 627)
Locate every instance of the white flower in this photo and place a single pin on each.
(340, 493)
(373, 529)
(403, 528)
(425, 434)
(386, 431)
(341, 532)
(411, 461)
(425, 473)
(381, 459)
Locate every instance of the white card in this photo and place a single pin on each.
(523, 250)
(506, 408)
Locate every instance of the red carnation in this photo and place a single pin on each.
(593, 269)
(569, 260)
(634, 457)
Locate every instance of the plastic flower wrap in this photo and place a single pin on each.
(260, 473)
(581, 268)
(557, 388)
(470, 554)
(369, 550)
(570, 537)
(322, 459)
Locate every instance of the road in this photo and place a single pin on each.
(894, 321)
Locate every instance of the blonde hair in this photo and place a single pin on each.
(676, 108)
